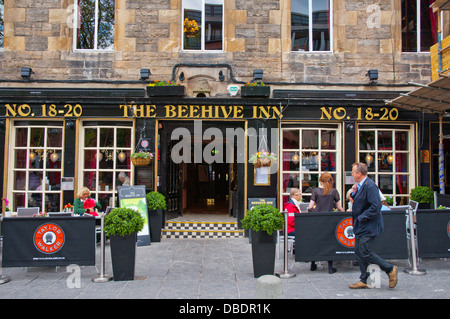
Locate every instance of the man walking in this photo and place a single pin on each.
(367, 224)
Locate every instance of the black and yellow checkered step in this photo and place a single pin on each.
(201, 230)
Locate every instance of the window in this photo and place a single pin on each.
(389, 156)
(311, 23)
(203, 25)
(419, 26)
(36, 157)
(95, 25)
(308, 152)
(105, 159)
(2, 23)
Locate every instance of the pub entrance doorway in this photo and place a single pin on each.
(192, 183)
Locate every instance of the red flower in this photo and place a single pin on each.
(88, 203)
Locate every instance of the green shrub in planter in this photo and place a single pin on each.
(263, 217)
(156, 201)
(422, 194)
(123, 221)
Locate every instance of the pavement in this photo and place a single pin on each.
(216, 269)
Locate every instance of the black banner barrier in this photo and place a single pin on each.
(329, 236)
(433, 233)
(48, 241)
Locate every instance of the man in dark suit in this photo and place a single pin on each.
(367, 224)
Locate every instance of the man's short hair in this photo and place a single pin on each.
(361, 167)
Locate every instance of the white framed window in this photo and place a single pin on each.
(104, 159)
(94, 27)
(389, 152)
(202, 22)
(35, 165)
(419, 26)
(311, 25)
(307, 151)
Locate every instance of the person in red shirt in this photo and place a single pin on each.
(293, 206)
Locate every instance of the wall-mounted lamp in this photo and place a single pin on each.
(257, 74)
(145, 74)
(221, 76)
(181, 77)
(25, 73)
(373, 75)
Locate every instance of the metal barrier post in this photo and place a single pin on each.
(285, 274)
(102, 277)
(414, 270)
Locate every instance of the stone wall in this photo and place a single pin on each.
(39, 34)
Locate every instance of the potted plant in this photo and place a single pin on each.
(122, 226)
(165, 88)
(423, 195)
(263, 221)
(141, 158)
(255, 89)
(263, 158)
(156, 203)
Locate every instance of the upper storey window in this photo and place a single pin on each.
(419, 26)
(203, 25)
(95, 24)
(311, 23)
(2, 13)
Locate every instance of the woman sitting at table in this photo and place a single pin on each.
(78, 203)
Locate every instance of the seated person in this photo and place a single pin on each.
(293, 206)
(78, 208)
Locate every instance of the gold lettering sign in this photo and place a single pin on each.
(368, 114)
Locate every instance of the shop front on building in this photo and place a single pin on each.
(57, 141)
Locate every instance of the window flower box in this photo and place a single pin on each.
(163, 88)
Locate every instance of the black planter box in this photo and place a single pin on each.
(255, 91)
(174, 90)
(263, 253)
(123, 256)
(156, 221)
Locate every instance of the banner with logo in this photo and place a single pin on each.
(44, 242)
(329, 236)
(433, 233)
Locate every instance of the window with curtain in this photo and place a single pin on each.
(203, 25)
(419, 26)
(389, 155)
(311, 25)
(36, 157)
(105, 159)
(308, 152)
(95, 24)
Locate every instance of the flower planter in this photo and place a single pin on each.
(255, 91)
(156, 217)
(262, 163)
(263, 253)
(123, 256)
(139, 161)
(169, 90)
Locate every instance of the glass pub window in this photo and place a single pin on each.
(105, 160)
(307, 153)
(203, 25)
(96, 24)
(388, 155)
(35, 179)
(419, 26)
(311, 25)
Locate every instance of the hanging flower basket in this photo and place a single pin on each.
(141, 158)
(263, 158)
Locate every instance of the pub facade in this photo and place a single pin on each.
(73, 110)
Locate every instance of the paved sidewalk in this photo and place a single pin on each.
(217, 268)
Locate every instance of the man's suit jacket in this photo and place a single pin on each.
(366, 210)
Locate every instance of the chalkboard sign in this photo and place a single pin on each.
(135, 197)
